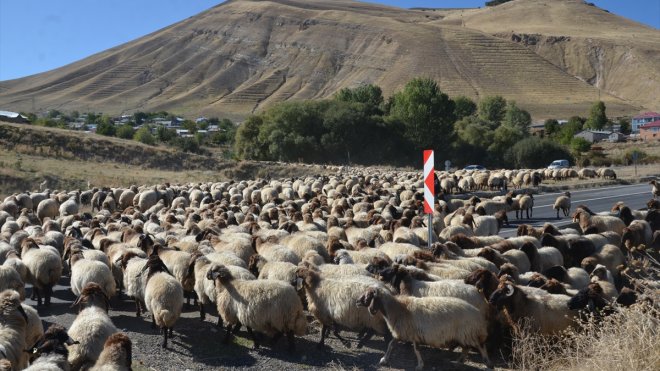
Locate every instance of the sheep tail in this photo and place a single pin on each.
(166, 317)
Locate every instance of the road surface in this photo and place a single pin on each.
(597, 199)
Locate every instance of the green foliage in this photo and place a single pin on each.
(226, 132)
(569, 129)
(464, 107)
(188, 144)
(370, 95)
(492, 109)
(143, 135)
(31, 117)
(164, 134)
(107, 129)
(247, 139)
(580, 145)
(189, 125)
(551, 127)
(140, 117)
(427, 114)
(91, 118)
(597, 117)
(630, 153)
(53, 113)
(534, 152)
(624, 123)
(125, 131)
(517, 118)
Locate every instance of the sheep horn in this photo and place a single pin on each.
(509, 290)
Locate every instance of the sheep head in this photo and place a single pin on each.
(377, 264)
(255, 263)
(484, 280)
(371, 300)
(121, 345)
(557, 272)
(10, 304)
(554, 287)
(92, 295)
(537, 280)
(590, 297)
(219, 272)
(53, 341)
(306, 277)
(503, 295)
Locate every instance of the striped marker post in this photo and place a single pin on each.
(429, 189)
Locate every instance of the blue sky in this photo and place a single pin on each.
(39, 35)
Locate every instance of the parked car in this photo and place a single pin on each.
(474, 167)
(559, 164)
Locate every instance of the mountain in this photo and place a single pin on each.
(554, 58)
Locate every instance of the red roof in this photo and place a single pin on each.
(653, 124)
(646, 115)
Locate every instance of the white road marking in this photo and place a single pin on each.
(598, 198)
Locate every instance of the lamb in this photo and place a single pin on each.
(44, 268)
(331, 302)
(434, 321)
(564, 203)
(549, 313)
(13, 324)
(11, 280)
(163, 296)
(602, 223)
(84, 271)
(270, 307)
(51, 350)
(91, 327)
(117, 354)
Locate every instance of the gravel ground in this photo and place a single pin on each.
(198, 345)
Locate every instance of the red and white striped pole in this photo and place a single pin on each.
(429, 189)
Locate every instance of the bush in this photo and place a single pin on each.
(534, 152)
(143, 135)
(125, 132)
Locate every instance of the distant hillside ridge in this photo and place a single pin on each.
(241, 56)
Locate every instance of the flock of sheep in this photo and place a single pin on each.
(348, 249)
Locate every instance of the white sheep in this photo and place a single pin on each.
(11, 280)
(84, 271)
(267, 270)
(13, 324)
(563, 202)
(331, 301)
(35, 327)
(270, 307)
(163, 296)
(47, 208)
(602, 223)
(91, 327)
(44, 268)
(434, 321)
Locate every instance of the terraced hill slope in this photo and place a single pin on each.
(243, 55)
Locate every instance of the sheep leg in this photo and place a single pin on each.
(171, 332)
(254, 337)
(367, 336)
(464, 354)
(153, 321)
(227, 334)
(164, 329)
(292, 341)
(420, 362)
(48, 291)
(38, 293)
(138, 309)
(386, 358)
(557, 213)
(202, 311)
(484, 355)
(346, 343)
(324, 332)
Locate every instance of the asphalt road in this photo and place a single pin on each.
(597, 199)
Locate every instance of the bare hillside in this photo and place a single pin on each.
(243, 55)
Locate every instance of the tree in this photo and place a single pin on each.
(427, 114)
(144, 135)
(624, 125)
(125, 131)
(369, 94)
(534, 152)
(569, 129)
(140, 117)
(597, 117)
(517, 118)
(246, 145)
(106, 128)
(464, 107)
(551, 127)
(580, 145)
(492, 109)
(164, 134)
(189, 125)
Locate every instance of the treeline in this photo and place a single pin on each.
(360, 126)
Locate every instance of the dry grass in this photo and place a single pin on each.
(626, 340)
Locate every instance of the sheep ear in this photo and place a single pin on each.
(299, 283)
(77, 302)
(509, 290)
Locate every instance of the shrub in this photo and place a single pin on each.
(534, 152)
(143, 135)
(125, 132)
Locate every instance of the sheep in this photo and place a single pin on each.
(163, 296)
(177, 263)
(358, 257)
(610, 256)
(525, 203)
(265, 270)
(549, 314)
(47, 208)
(91, 327)
(655, 190)
(44, 268)
(601, 222)
(606, 173)
(51, 349)
(337, 271)
(84, 271)
(639, 232)
(604, 278)
(515, 257)
(134, 278)
(270, 307)
(13, 325)
(432, 321)
(577, 278)
(11, 280)
(331, 302)
(117, 354)
(543, 258)
(563, 202)
(486, 225)
(490, 207)
(392, 249)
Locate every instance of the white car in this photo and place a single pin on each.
(559, 164)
